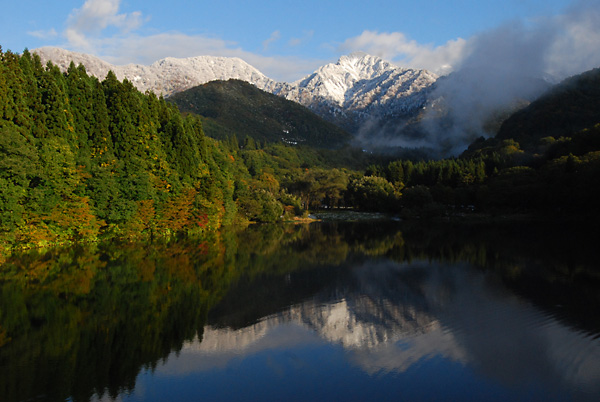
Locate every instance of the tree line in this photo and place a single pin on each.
(494, 177)
(82, 158)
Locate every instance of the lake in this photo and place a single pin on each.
(357, 307)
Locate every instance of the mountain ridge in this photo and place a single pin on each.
(567, 108)
(166, 76)
(360, 87)
(356, 88)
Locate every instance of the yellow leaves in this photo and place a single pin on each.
(467, 179)
(82, 173)
(268, 182)
(160, 184)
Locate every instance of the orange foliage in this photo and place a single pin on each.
(75, 220)
(176, 213)
(268, 182)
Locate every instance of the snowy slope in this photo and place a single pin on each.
(356, 89)
(358, 80)
(165, 76)
(360, 87)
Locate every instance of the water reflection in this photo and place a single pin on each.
(389, 316)
(502, 312)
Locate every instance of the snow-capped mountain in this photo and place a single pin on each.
(360, 87)
(357, 88)
(166, 76)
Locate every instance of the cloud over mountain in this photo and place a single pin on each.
(398, 47)
(507, 64)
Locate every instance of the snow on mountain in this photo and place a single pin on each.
(357, 88)
(360, 87)
(166, 76)
(359, 80)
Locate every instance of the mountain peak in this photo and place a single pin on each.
(358, 80)
(354, 56)
(367, 61)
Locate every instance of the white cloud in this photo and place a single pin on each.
(287, 69)
(94, 17)
(148, 49)
(395, 46)
(504, 64)
(273, 38)
(442, 59)
(577, 44)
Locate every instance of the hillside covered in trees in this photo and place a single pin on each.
(235, 107)
(568, 108)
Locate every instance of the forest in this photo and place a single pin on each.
(83, 159)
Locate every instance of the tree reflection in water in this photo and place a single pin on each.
(514, 302)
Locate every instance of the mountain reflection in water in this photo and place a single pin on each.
(388, 317)
(330, 311)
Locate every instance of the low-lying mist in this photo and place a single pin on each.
(505, 69)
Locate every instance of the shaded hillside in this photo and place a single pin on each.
(237, 107)
(569, 107)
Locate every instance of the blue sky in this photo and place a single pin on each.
(289, 39)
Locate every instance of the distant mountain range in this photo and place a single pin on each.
(357, 88)
(166, 76)
(382, 105)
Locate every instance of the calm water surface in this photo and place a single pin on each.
(336, 310)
